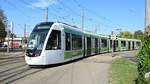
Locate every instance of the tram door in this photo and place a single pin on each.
(129, 45)
(96, 46)
(84, 47)
(115, 45)
(88, 46)
(133, 45)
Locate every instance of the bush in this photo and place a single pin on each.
(144, 60)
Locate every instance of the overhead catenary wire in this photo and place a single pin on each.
(50, 7)
(65, 6)
(111, 23)
(25, 2)
(15, 7)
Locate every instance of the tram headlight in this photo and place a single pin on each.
(33, 53)
(37, 53)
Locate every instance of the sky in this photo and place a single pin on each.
(100, 16)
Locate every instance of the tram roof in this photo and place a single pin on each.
(128, 39)
(76, 30)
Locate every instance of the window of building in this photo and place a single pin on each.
(76, 42)
(54, 41)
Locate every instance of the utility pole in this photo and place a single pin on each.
(12, 27)
(25, 31)
(25, 37)
(82, 27)
(95, 29)
(112, 37)
(8, 35)
(46, 14)
(147, 16)
(82, 19)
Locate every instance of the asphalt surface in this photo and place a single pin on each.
(91, 70)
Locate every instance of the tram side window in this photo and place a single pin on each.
(110, 43)
(116, 43)
(104, 43)
(54, 41)
(123, 43)
(68, 41)
(138, 44)
(76, 42)
(96, 43)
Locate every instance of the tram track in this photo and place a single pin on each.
(5, 61)
(13, 68)
(6, 70)
(12, 57)
(31, 73)
(20, 71)
(11, 76)
(11, 62)
(7, 75)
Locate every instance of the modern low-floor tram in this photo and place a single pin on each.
(56, 42)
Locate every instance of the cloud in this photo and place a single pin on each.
(43, 3)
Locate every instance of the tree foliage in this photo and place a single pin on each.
(3, 23)
(126, 34)
(144, 60)
(138, 34)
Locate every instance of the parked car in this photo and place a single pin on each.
(2, 45)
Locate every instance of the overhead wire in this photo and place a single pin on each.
(92, 12)
(65, 6)
(15, 7)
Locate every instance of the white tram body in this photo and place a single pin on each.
(56, 42)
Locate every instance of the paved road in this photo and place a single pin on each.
(91, 70)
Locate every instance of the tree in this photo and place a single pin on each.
(3, 23)
(126, 34)
(12, 35)
(144, 60)
(138, 34)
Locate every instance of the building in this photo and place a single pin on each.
(14, 43)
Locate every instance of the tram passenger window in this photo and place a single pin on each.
(76, 42)
(96, 43)
(116, 43)
(110, 43)
(123, 43)
(54, 41)
(104, 43)
(138, 44)
(68, 41)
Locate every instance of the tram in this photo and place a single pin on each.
(57, 42)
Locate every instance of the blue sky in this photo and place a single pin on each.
(102, 16)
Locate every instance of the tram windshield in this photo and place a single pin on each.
(37, 37)
(36, 40)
